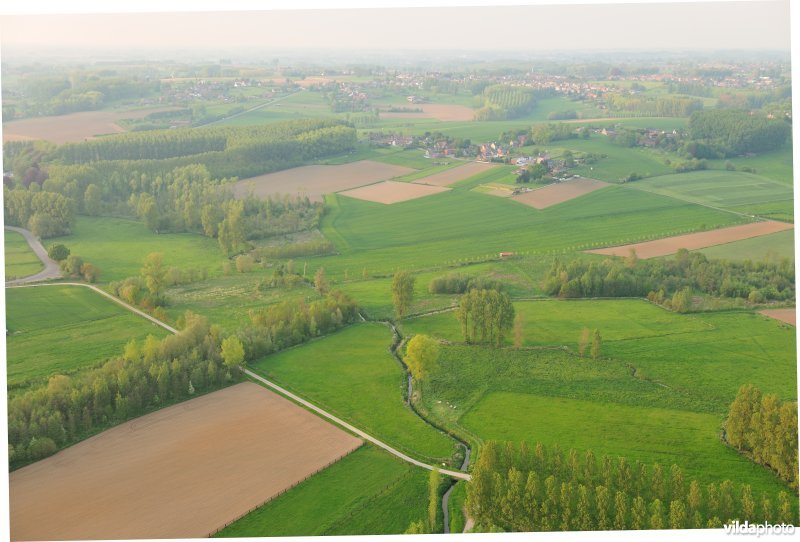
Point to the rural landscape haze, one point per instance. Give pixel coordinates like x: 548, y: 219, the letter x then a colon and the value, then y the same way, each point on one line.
x: 400, y: 271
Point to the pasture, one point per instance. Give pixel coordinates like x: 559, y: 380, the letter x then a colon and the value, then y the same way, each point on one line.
x: 118, y: 246
x: 764, y: 247
x: 648, y: 434
x: 702, y: 358
x: 727, y: 189
x: 317, y: 180
x: 695, y: 241
x: 389, y: 192
x: 553, y: 194
x: 460, y: 226
x: 183, y: 471
x: 366, y: 492
x: 64, y: 329
x: 20, y: 259
x: 352, y: 374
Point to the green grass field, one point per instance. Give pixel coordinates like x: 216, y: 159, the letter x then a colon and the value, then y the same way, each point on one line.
x: 652, y: 435
x: 776, y: 165
x: 20, y: 259
x: 352, y: 374
x: 366, y: 492
x: 727, y: 189
x: 456, y: 507
x: 766, y: 247
x: 703, y: 357
x: 118, y: 247
x: 63, y: 329
x: 458, y: 226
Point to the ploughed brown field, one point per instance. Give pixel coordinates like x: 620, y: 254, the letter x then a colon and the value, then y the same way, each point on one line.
x: 314, y: 181
x: 389, y: 192
x: 442, y: 112
x: 71, y: 128
x: 459, y: 173
x: 694, y: 241
x: 181, y: 472
x: 553, y: 194
x: 784, y: 315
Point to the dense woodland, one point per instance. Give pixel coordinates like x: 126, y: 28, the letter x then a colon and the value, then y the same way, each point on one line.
x: 723, y: 133
x: 660, y: 278
x: 765, y: 429
x: 46, y: 214
x: 147, y: 376
x: 503, y: 102
x: 514, y: 488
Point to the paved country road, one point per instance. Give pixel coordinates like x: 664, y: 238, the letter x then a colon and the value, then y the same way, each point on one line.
x: 50, y: 271
x: 271, y: 385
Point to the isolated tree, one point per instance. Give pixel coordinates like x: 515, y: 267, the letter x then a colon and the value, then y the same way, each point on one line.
x: 402, y: 292
x: 321, y: 281
x: 597, y: 344
x: 232, y: 352
x: 583, y: 341
x: 154, y: 273
x: 90, y: 272
x: 422, y: 353
x: 57, y: 252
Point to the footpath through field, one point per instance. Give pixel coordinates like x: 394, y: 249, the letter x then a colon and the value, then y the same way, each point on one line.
x: 51, y: 269
x: 273, y: 386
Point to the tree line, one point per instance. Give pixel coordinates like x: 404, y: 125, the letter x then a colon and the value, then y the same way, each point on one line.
x: 647, y: 106
x: 504, y: 102
x: 146, y: 376
x: 514, y: 488
x: 765, y: 429
x: 722, y: 133
x: 660, y: 279
x: 46, y: 214
x: 458, y: 283
x: 289, y: 323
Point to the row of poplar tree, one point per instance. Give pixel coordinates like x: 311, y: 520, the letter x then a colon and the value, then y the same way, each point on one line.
x: 514, y: 488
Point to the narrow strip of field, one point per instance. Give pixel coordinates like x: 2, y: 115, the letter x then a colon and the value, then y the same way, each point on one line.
x: 181, y: 472
x: 315, y: 181
x: 21, y: 261
x: 442, y: 112
x: 784, y: 315
x: 389, y: 192
x: 764, y: 248
x: 553, y: 194
x: 694, y: 241
x: 450, y: 176
x: 71, y: 128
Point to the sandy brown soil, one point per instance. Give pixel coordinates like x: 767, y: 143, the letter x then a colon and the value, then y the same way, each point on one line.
x: 453, y: 175
x: 181, y: 472
x: 784, y: 315
x: 694, y: 241
x: 443, y: 112
x: 71, y: 128
x: 314, y: 181
x: 553, y: 194
x: 389, y: 192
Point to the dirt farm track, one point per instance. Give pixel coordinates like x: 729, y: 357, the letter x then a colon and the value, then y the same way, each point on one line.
x: 181, y: 472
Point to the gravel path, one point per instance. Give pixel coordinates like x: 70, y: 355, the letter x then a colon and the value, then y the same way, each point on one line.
x: 51, y: 269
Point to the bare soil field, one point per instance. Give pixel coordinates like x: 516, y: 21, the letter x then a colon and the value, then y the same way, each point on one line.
x: 181, y: 472
x: 784, y: 315
x: 442, y: 112
x: 314, y: 181
x: 389, y: 192
x: 553, y: 194
x: 71, y: 128
x: 694, y: 241
x: 459, y: 173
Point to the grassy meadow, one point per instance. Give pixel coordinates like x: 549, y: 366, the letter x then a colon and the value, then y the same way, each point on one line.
x: 765, y: 247
x: 64, y: 329
x: 352, y: 374
x: 20, y: 259
x: 366, y: 492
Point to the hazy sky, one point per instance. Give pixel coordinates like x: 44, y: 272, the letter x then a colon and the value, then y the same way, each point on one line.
x: 761, y: 24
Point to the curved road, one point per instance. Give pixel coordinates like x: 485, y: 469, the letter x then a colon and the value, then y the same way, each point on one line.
x: 51, y: 269
x: 272, y: 385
